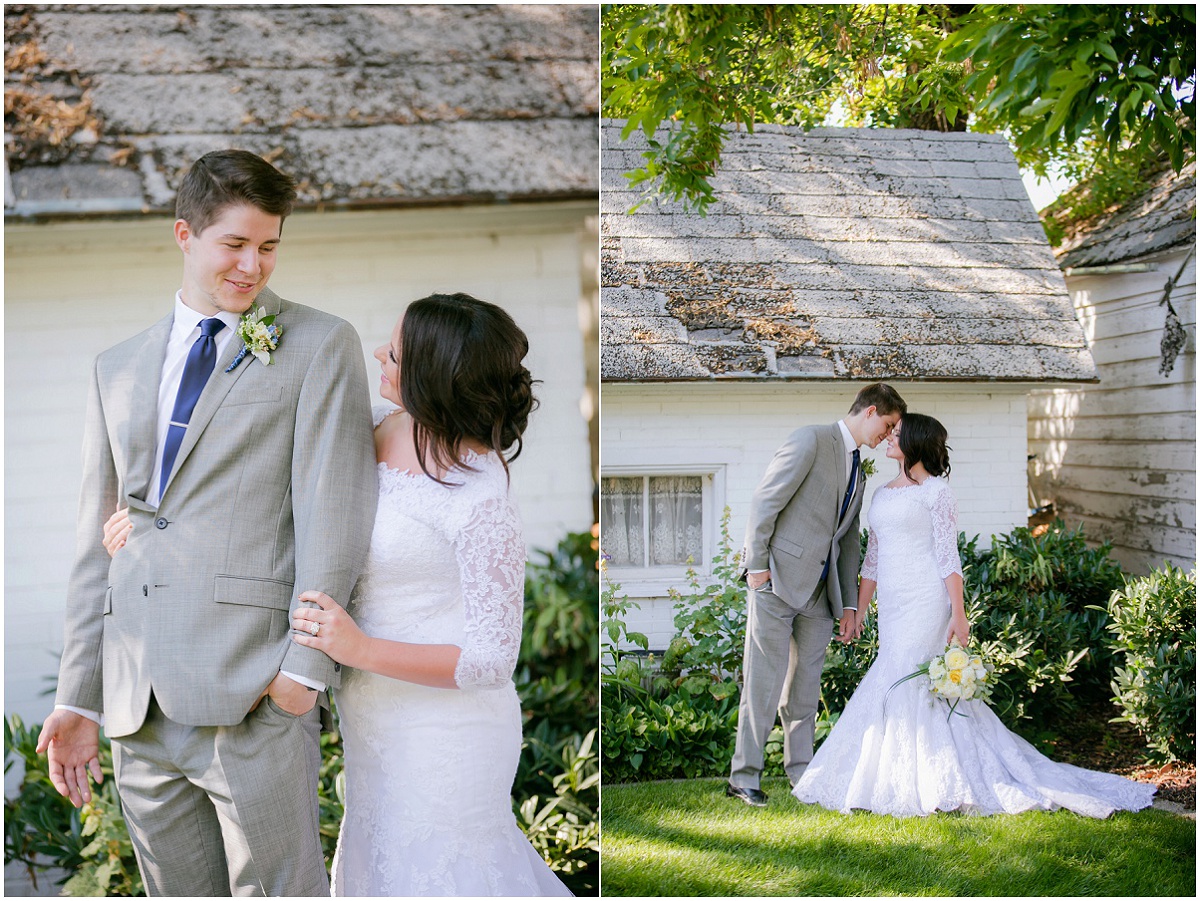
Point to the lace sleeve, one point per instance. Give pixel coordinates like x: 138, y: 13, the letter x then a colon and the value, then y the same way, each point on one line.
x: 870, y: 567
x: 944, y: 512
x: 491, y: 562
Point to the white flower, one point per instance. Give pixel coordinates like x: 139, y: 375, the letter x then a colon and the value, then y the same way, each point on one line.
x: 260, y: 335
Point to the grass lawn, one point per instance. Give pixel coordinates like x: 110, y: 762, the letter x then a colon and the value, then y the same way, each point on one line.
x: 688, y: 839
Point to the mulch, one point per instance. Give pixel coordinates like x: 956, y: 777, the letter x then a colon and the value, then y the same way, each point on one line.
x: 1090, y: 740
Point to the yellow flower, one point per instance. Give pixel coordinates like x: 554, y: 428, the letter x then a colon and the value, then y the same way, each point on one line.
x: 955, y: 675
x: 957, y: 658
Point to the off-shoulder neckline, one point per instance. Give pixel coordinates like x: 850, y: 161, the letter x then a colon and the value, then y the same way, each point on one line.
x: 469, y: 457
x: 917, y: 485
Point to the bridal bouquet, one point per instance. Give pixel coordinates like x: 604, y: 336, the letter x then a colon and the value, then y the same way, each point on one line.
x: 956, y: 675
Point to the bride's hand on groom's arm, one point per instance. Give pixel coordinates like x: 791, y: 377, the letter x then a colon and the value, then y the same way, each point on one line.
x: 337, y: 634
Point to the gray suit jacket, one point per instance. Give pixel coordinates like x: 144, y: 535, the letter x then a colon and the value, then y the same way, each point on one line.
x: 273, y: 492
x: 793, y: 526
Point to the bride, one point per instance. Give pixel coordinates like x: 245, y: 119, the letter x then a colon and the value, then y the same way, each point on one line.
x: 428, y: 709
x: 429, y: 713
x: 897, y: 753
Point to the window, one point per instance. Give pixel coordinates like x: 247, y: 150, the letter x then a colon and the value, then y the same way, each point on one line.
x: 653, y: 523
x: 653, y: 520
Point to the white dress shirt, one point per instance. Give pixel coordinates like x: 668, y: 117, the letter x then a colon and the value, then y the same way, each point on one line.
x: 184, y: 332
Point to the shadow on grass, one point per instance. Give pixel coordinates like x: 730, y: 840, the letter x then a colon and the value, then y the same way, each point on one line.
x: 687, y: 839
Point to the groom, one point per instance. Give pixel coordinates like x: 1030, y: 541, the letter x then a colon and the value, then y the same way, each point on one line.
x: 801, y: 556
x: 245, y: 483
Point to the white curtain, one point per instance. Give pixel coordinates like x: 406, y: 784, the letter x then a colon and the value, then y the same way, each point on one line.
x: 621, y: 522
x: 676, y: 526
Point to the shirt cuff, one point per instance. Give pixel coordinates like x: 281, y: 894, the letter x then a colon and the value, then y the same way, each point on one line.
x: 305, y: 681
x: 97, y: 718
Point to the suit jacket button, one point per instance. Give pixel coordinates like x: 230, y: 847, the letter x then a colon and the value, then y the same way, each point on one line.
x: 160, y: 523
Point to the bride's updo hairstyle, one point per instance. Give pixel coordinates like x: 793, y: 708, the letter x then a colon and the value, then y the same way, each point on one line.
x: 923, y: 440
x: 461, y: 378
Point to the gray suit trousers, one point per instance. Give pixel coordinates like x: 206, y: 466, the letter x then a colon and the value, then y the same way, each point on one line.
x: 781, y: 670
x: 224, y: 810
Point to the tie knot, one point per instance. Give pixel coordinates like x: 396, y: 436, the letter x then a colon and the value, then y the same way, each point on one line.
x: 854, y: 455
x: 209, y: 327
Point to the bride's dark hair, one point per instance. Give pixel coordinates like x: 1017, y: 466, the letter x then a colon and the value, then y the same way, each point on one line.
x: 923, y: 440
x: 461, y: 378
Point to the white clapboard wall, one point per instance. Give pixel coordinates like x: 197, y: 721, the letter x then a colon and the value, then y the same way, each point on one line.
x: 1120, y: 456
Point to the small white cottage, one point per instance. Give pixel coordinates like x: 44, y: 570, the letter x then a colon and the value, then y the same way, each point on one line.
x: 438, y: 148
x: 835, y: 257
x: 1120, y: 456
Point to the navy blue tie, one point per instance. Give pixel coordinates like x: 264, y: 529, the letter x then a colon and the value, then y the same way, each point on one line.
x: 199, y: 366
x: 846, y: 500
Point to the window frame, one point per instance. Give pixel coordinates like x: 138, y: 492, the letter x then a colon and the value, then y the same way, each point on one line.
x: 654, y: 581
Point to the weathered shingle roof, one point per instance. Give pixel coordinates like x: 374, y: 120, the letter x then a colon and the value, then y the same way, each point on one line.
x: 1162, y: 218
x: 368, y: 104
x: 849, y: 253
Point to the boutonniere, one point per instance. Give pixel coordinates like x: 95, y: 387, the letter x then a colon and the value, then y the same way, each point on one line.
x: 867, y: 465
x: 260, y: 335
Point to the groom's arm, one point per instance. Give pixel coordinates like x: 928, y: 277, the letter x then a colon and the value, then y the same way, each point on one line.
x: 80, y: 674
x: 333, y: 485
x: 70, y: 734
x: 786, y: 473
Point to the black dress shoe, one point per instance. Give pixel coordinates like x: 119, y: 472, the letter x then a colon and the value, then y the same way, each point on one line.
x: 752, y: 796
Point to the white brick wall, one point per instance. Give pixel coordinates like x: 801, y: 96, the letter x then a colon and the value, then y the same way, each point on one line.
x: 738, y: 427
x: 74, y: 289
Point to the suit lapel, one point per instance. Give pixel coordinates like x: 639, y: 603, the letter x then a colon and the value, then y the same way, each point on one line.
x: 219, y: 385
x: 141, y: 440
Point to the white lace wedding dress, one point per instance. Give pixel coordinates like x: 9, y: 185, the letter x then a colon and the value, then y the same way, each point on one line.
x: 897, y: 754
x: 429, y: 771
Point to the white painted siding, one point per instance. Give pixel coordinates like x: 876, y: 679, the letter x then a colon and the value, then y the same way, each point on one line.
x: 736, y: 428
x: 1120, y: 456
x: 74, y: 289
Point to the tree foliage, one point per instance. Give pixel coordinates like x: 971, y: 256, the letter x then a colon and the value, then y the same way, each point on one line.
x: 1073, y: 86
x: 1053, y: 75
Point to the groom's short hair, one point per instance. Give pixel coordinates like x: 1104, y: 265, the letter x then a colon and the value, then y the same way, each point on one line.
x: 882, y: 397
x: 227, y: 178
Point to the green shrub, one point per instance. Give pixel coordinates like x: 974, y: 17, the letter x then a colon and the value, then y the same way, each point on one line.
x: 42, y: 830
x: 1154, y: 630
x: 686, y: 734
x: 675, y: 717
x: 1032, y: 601
x: 710, y: 623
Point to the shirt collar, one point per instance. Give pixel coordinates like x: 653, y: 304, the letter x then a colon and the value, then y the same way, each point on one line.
x: 187, y: 319
x: 847, y: 438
